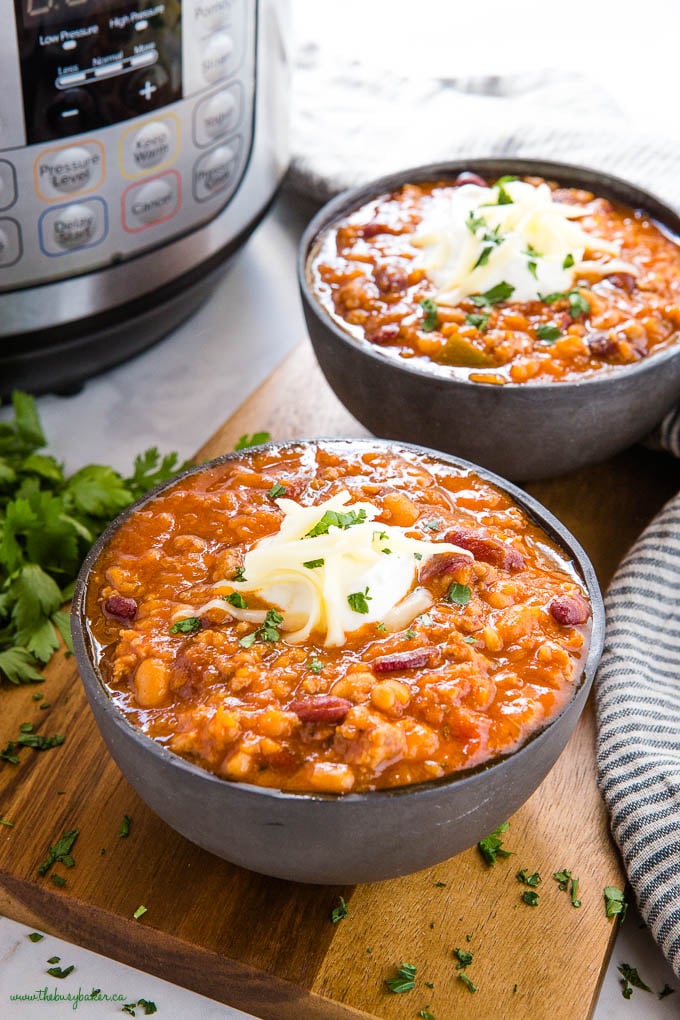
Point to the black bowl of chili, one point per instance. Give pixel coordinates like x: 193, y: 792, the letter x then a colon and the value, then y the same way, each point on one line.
x: 532, y: 362
x: 391, y: 734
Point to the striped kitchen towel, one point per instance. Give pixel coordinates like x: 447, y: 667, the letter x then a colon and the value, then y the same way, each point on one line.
x: 352, y: 123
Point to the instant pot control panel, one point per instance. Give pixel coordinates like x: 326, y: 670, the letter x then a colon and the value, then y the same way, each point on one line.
x: 123, y: 124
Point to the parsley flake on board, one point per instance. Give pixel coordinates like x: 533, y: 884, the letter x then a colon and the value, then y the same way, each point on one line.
x: 431, y: 315
x: 567, y: 883
x: 58, y: 880
x: 501, y: 292
x: 139, y: 912
x: 491, y: 847
x: 336, y: 519
x: 548, y: 333
x: 530, y: 898
x: 35, y: 936
x: 267, y: 631
x: 459, y: 594
x: 532, y: 880
x: 425, y: 1012
x: 464, y: 958
x: 236, y: 599
x: 277, y: 490
x: 27, y: 738
x: 60, y: 852
x: 339, y: 912
x: 615, y: 904
x: 124, y: 830
x: 256, y: 439
x: 358, y: 601
x: 468, y: 982
x: 147, y: 1005
x: 57, y: 972
x: 404, y: 981
x: 48, y: 521
x: 631, y: 979
x: 188, y: 625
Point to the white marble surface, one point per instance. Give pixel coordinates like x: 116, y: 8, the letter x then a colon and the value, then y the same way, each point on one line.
x: 176, y: 394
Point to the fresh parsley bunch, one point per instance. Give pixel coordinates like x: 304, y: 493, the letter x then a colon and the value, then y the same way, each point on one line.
x: 48, y: 521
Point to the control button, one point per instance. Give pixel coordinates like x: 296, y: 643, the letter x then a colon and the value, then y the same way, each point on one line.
x: 8, y: 185
x: 10, y: 242
x: 215, y: 60
x: 152, y: 202
x: 109, y: 70
x: 153, y: 144
x: 211, y: 15
x: 217, y: 115
x: 143, y: 59
x: 216, y: 171
x: 77, y: 168
x: 148, y: 88
x: 71, y: 227
x: 72, y: 113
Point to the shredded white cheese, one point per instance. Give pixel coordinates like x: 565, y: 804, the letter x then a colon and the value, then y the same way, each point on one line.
x: 373, y: 560
x: 470, y: 243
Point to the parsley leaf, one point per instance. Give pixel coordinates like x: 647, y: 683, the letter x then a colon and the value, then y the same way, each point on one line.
x: 57, y: 972
x: 530, y: 897
x: 237, y: 600
x: 615, y: 903
x: 469, y: 984
x: 549, y: 333
x: 464, y: 958
x: 35, y: 936
x: 315, y: 666
x: 501, y: 292
x: 187, y: 625
x: 313, y: 564
x: 404, y: 981
x: 473, y: 223
x: 125, y: 827
x: 568, y: 261
x: 60, y: 852
x: 631, y: 979
x: 578, y: 305
x: 267, y: 631
x: 335, y: 519
x: 479, y: 320
x: 566, y: 882
x: 340, y: 911
x: 358, y: 601
x: 491, y: 847
x: 459, y: 594
x: 256, y: 439
x: 139, y: 912
x: 532, y: 880
x: 431, y: 317
x: 277, y: 490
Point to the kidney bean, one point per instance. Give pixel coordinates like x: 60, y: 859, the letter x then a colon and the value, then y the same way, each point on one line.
x: 391, y: 279
x: 569, y: 610
x: 321, y: 708
x: 487, y: 549
x: 601, y: 344
x: 468, y: 177
x: 119, y: 607
x: 624, y: 281
x: 386, y: 334
x: 412, y: 659
x: 442, y: 563
x: 368, y: 230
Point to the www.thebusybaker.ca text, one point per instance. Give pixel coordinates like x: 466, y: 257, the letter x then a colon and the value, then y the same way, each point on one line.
x: 54, y: 995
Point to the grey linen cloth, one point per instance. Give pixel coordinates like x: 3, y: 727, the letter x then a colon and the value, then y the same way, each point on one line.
x: 352, y: 123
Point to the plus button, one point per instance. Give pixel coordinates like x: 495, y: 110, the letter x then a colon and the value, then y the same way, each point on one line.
x: 148, y: 90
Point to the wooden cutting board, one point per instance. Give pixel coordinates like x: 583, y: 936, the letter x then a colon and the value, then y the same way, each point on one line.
x: 268, y: 946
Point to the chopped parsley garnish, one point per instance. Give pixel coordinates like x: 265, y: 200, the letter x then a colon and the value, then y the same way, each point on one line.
x: 57, y: 972
x: 473, y: 223
x: 149, y: 1007
x: 60, y: 852
x: 410, y: 634
x: 58, y: 879
x: 417, y: 556
x: 503, y: 197
x: 464, y: 958
x: 469, y: 984
x: 139, y: 912
x: 27, y: 738
x: 631, y: 979
x: 431, y: 316
x: 277, y: 490
x: 339, y: 912
x: 665, y: 991
x: 533, y: 268
x: 615, y: 903
x: 267, y: 631
x: 470, y: 639
x: 54, y: 959
x: 255, y: 440
x: 479, y: 320
x: 239, y: 574
x: 501, y: 292
x: 550, y: 333
x: 435, y: 525
x: 425, y: 1011
x: 336, y: 519
x: 532, y: 880
x: 459, y: 594
x: 566, y: 882
x: 236, y: 600
x: 38, y: 697
x: 313, y: 564
x: 380, y: 626
x: 124, y: 830
x: 530, y: 897
x: 440, y: 885
x: 404, y: 981
x: 568, y: 261
x: 189, y: 625
x: 490, y: 239
x: 491, y: 847
x: 578, y: 305
x: 358, y: 601
x: 315, y: 666
x: 35, y: 936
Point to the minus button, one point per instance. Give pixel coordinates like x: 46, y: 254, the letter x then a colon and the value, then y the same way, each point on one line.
x: 66, y: 80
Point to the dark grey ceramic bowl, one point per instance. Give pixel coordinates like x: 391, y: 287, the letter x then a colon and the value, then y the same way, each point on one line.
x: 336, y: 839
x: 521, y: 430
